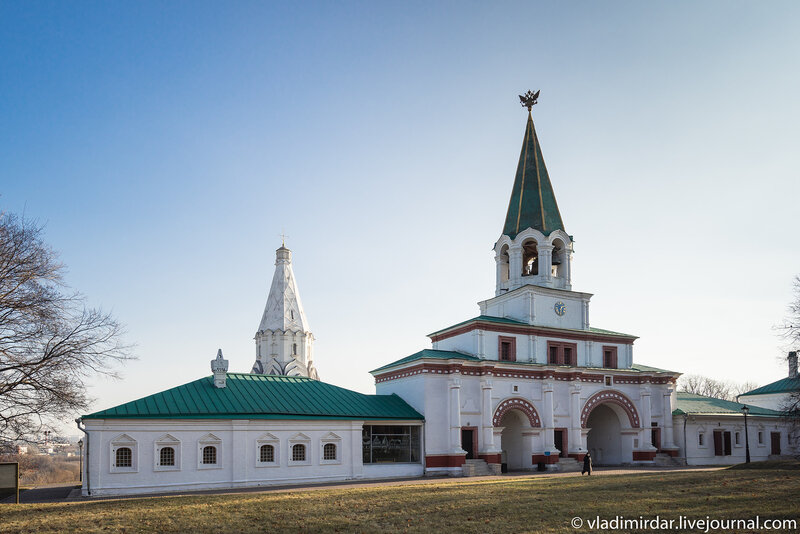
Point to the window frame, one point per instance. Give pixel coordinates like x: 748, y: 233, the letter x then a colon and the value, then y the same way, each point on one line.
x: 330, y: 439
x: 120, y: 442
x: 164, y: 441
x: 268, y: 439
x: 511, y: 341
x: 209, y: 440
x: 613, y: 359
x: 559, y: 346
x: 299, y: 439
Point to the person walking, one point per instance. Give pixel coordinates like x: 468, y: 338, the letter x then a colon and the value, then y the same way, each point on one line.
x: 587, y: 464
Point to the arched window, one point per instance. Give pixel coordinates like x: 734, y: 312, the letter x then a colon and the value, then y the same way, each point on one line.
x: 504, y: 263
x: 209, y: 455
x: 267, y: 453
x: 298, y: 453
x: 167, y: 456
x: 559, y: 259
x: 530, y: 258
x: 329, y: 451
x: 124, y: 457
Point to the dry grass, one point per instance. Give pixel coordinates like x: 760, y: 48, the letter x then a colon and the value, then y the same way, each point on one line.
x: 539, y: 504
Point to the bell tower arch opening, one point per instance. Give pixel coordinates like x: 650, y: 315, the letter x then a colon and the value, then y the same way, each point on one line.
x: 530, y: 258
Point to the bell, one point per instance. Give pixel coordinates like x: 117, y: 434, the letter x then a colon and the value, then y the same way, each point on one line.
x: 557, y: 260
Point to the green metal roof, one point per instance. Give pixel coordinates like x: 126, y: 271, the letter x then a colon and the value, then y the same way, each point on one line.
x: 648, y: 369
x: 452, y: 355
x: 692, y: 404
x: 533, y: 202
x: 251, y: 396
x: 430, y: 353
x: 785, y: 385
x: 503, y: 320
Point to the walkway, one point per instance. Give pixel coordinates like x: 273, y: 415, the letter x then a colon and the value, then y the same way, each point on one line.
x: 71, y: 493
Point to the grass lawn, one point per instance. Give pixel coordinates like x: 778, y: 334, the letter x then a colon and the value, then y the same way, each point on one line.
x: 537, y: 504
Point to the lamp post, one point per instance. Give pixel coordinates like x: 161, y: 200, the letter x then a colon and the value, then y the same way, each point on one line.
x: 80, y: 454
x: 745, y: 411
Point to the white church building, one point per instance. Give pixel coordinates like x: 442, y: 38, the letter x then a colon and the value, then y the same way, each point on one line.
x: 526, y: 384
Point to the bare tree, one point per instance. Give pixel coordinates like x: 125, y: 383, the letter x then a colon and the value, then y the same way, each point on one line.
x: 790, y: 328
x: 709, y: 387
x: 50, y: 342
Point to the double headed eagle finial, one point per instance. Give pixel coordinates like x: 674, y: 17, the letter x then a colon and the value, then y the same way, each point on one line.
x: 529, y: 99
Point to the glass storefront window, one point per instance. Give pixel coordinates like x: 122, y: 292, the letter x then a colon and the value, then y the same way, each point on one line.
x: 390, y: 444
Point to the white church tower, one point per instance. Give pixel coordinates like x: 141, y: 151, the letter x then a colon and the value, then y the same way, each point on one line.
x: 284, y: 341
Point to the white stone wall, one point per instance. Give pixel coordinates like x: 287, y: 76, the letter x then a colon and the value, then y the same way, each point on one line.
x: 432, y: 395
x: 772, y: 401
x: 237, y: 456
x: 531, y: 348
x: 703, y: 454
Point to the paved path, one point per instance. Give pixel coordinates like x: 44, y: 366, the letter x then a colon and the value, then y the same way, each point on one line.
x: 70, y: 493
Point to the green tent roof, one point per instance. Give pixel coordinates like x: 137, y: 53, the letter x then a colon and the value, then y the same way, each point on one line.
x: 533, y: 202
x: 691, y: 403
x: 251, y: 396
x: 785, y: 385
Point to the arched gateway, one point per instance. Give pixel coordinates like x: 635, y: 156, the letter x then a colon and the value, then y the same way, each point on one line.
x: 605, y: 414
x: 517, y: 418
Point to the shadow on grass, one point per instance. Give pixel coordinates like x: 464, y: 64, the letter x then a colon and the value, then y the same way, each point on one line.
x: 783, y: 465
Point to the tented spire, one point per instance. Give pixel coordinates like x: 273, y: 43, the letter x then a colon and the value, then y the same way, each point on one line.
x: 533, y: 202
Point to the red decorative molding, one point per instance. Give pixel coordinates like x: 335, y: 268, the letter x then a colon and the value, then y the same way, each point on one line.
x: 503, y: 370
x: 577, y: 455
x: 613, y: 397
x: 542, y: 459
x: 490, y: 458
x: 516, y: 403
x: 671, y: 452
x: 512, y: 348
x: 643, y: 456
x: 534, y: 330
x: 444, y: 460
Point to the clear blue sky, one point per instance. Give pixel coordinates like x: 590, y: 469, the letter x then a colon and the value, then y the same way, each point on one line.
x: 165, y: 145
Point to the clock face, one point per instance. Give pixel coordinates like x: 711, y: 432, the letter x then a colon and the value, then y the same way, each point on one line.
x: 560, y: 308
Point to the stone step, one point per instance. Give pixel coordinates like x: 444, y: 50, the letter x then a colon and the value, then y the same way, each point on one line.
x: 568, y: 465
x: 476, y: 468
x: 665, y: 460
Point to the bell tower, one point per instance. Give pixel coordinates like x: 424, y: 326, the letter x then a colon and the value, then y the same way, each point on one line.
x: 534, y: 249
x: 284, y: 341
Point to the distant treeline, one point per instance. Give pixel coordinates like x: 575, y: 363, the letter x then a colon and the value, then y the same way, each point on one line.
x: 36, y: 469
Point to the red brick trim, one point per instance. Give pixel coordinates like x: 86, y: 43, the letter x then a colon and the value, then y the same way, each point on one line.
x: 671, y: 452
x: 512, y: 352
x: 643, y: 456
x: 577, y: 455
x: 500, y: 370
x: 490, y: 458
x: 516, y: 403
x: 541, y: 458
x: 613, y: 397
x: 444, y: 460
x: 534, y: 330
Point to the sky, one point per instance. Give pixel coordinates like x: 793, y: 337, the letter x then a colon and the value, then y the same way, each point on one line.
x: 165, y: 146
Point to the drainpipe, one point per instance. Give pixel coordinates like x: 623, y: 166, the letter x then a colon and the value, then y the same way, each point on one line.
x: 685, y: 450
x: 86, y: 460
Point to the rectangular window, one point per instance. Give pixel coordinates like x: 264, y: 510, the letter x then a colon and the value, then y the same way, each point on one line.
x: 736, y: 439
x: 700, y: 439
x: 507, y: 349
x: 562, y: 353
x: 760, y: 438
x: 726, y: 442
x: 167, y: 456
x: 610, y: 357
x: 390, y: 444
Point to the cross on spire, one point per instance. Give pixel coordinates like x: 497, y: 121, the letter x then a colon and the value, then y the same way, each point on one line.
x: 283, y: 237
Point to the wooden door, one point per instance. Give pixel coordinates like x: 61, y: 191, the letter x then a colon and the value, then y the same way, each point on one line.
x: 467, y: 436
x: 776, y: 442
